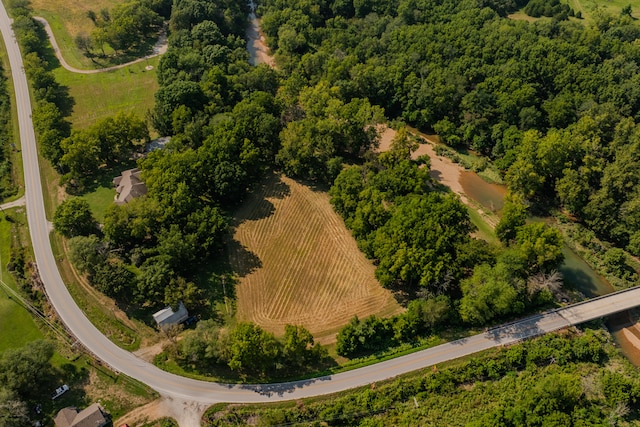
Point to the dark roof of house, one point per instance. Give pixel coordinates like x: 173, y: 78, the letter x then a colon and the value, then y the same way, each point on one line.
x: 129, y: 186
x: 92, y: 416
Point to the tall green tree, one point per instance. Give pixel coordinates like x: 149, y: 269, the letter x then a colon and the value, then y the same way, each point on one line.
x: 298, y: 347
x: 86, y: 253
x: 74, y: 218
x: 541, y: 246
x: 13, y: 411
x: 488, y: 294
x: 418, y: 245
x: 514, y: 215
x: 22, y: 369
x: 252, y: 349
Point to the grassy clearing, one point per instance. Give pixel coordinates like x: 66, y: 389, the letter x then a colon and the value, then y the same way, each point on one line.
x: 299, y: 264
x: 100, y: 192
x: 99, y: 200
x: 521, y: 16
x: 67, y: 19
x: 16, y: 323
x: 96, y: 96
x: 118, y: 393
x: 53, y: 194
x: 485, y: 230
x: 588, y: 8
x: 613, y: 7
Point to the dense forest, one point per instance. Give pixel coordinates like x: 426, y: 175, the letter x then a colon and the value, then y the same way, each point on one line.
x: 556, y: 380
x: 552, y: 102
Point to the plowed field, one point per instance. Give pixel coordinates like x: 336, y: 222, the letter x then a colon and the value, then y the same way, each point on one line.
x: 299, y: 264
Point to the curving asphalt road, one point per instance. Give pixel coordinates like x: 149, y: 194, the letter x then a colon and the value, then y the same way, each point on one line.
x: 158, y: 49
x: 196, y: 394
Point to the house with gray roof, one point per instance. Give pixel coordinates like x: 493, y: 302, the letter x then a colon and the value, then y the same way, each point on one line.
x: 92, y: 416
x: 129, y: 185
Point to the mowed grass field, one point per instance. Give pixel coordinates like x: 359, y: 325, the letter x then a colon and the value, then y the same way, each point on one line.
x: 300, y: 265
x: 68, y: 18
x: 96, y: 96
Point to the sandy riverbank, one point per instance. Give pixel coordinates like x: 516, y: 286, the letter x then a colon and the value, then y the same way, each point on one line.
x: 256, y: 42
x: 450, y: 174
x: 443, y: 170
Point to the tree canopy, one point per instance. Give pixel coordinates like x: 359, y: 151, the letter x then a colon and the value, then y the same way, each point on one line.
x: 73, y: 217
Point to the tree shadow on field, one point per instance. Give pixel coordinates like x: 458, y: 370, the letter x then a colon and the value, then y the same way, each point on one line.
x: 273, y: 187
x: 242, y: 261
x: 60, y: 94
x: 103, y: 177
x: 260, y: 210
x: 258, y: 206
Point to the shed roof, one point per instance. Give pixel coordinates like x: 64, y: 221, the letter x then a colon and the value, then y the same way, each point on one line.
x: 167, y: 316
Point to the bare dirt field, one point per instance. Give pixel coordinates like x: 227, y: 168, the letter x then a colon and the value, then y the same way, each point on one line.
x: 299, y: 264
x: 161, y: 408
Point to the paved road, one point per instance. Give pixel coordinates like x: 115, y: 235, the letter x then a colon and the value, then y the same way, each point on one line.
x: 159, y: 48
x: 18, y: 202
x: 195, y: 395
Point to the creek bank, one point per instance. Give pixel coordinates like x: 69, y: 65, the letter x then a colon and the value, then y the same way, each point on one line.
x: 488, y: 199
x: 256, y: 45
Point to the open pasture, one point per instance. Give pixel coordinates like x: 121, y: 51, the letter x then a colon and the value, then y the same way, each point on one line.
x: 613, y: 7
x: 96, y: 96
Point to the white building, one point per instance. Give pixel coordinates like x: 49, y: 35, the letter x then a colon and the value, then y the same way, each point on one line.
x: 167, y: 316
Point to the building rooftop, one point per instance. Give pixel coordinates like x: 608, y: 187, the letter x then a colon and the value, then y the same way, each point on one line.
x: 129, y: 186
x: 92, y: 416
x: 167, y: 316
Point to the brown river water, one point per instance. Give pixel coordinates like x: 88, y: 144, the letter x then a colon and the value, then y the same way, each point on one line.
x: 574, y: 269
